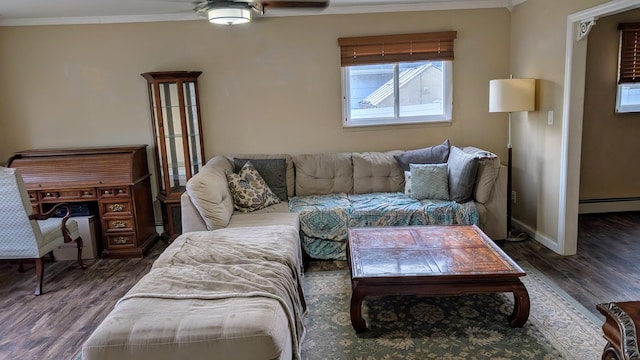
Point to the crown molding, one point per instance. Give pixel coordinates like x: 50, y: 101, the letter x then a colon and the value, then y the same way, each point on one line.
x: 83, y: 20
x: 331, y: 10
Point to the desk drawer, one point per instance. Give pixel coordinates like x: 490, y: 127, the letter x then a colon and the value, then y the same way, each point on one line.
x: 119, y: 224
x: 116, y: 208
x: 33, y: 196
x: 118, y: 241
x: 67, y: 195
x: 111, y: 192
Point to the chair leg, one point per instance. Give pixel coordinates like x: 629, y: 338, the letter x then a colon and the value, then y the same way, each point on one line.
x: 39, y: 275
x: 79, y: 244
x: 52, y: 257
x: 20, y: 266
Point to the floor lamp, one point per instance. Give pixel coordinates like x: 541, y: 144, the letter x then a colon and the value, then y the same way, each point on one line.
x: 511, y: 95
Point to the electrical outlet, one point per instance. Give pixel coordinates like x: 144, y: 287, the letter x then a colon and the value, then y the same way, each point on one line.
x: 513, y: 197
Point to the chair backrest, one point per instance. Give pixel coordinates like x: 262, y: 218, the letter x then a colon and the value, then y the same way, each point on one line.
x: 19, y: 236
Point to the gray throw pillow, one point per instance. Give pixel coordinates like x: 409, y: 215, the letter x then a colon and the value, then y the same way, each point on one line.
x: 437, y: 154
x: 273, y: 171
x: 462, y: 174
x: 429, y: 181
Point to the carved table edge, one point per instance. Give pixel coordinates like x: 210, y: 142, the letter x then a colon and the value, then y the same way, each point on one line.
x: 627, y: 326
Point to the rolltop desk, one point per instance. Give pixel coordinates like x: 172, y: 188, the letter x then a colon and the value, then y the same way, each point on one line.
x: 114, y: 182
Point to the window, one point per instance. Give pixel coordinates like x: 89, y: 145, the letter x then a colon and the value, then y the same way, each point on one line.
x: 397, y: 79
x: 628, y: 94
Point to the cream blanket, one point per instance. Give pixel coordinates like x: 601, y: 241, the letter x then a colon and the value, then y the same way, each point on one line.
x: 260, y: 261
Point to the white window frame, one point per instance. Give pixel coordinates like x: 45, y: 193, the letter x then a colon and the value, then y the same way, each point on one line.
x: 445, y: 117
x: 626, y: 108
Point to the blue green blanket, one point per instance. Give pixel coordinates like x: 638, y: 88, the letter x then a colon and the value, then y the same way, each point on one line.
x: 324, y: 219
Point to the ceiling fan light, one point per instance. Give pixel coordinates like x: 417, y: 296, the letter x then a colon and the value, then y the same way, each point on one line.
x: 229, y: 16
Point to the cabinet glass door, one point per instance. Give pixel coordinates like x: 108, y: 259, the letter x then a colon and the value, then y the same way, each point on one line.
x: 177, y: 128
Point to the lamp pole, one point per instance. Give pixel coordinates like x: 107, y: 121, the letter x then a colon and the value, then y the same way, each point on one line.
x: 509, y: 183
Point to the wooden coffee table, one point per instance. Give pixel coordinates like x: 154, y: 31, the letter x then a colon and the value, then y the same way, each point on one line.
x: 433, y: 261
x: 622, y: 319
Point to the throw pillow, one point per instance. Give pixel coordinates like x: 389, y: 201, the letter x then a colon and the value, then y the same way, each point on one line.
x: 462, y: 174
x: 249, y: 190
x: 407, y: 183
x: 431, y: 155
x: 429, y: 181
x: 488, y: 170
x: 273, y: 171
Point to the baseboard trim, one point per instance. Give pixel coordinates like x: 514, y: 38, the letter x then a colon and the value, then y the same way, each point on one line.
x: 543, y: 239
x: 594, y: 206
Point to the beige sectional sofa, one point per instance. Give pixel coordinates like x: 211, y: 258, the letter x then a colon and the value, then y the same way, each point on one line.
x: 207, y: 204
x: 229, y: 286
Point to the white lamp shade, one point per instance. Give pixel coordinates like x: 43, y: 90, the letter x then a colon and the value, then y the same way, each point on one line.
x: 229, y: 16
x: 509, y: 95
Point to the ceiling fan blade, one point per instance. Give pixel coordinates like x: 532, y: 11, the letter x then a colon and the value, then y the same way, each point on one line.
x: 273, y: 4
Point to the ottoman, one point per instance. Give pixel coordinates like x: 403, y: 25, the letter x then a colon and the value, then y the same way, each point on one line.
x: 226, y: 294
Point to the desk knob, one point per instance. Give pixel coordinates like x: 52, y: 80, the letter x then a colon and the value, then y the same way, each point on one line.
x: 120, y: 240
x: 118, y: 224
x: 116, y: 207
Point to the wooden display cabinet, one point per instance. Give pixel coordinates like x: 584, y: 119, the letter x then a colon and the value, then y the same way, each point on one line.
x: 177, y: 129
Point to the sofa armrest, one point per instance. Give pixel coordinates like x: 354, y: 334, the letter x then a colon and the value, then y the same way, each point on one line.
x: 495, y: 224
x: 191, y: 219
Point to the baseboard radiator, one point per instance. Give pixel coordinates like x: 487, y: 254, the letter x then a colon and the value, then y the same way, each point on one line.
x: 594, y: 206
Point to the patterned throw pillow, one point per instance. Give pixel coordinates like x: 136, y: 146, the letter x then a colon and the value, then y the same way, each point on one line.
x: 407, y: 183
x: 249, y: 190
x: 429, y: 181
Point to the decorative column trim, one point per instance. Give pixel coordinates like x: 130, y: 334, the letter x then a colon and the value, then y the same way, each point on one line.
x: 584, y: 27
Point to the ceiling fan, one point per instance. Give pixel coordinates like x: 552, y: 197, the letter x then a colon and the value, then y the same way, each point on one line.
x: 232, y: 12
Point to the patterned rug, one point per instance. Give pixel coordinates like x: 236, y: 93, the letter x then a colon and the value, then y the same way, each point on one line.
x: 463, y: 327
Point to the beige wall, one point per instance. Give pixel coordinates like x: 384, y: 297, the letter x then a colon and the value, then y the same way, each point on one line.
x: 272, y: 86
x: 610, y: 146
x: 538, y: 34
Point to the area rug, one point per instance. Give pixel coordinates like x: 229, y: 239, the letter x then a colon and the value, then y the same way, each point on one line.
x: 463, y: 327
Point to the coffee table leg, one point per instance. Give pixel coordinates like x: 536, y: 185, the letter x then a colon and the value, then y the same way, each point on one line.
x: 521, y: 306
x: 357, y: 321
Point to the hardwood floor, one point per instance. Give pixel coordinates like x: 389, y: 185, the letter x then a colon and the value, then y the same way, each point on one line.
x: 606, y: 266
x: 74, y: 301
x: 55, y: 324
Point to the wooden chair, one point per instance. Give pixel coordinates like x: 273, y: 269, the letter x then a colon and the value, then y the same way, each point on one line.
x: 24, y: 235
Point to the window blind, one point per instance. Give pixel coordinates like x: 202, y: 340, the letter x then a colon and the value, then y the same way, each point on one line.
x: 396, y: 48
x: 629, y: 67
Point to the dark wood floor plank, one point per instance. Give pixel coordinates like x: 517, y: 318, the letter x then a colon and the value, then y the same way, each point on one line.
x: 55, y: 324
x: 604, y: 269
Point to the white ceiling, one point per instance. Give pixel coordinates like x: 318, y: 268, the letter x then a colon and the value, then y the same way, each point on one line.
x: 48, y: 12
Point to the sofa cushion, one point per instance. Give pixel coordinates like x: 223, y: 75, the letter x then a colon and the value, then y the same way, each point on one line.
x: 273, y: 171
x: 488, y: 169
x: 210, y: 195
x: 376, y: 172
x: 463, y: 168
x: 265, y: 219
x: 290, y: 173
x: 437, y: 154
x: 249, y: 190
x: 320, y: 174
x: 429, y: 181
